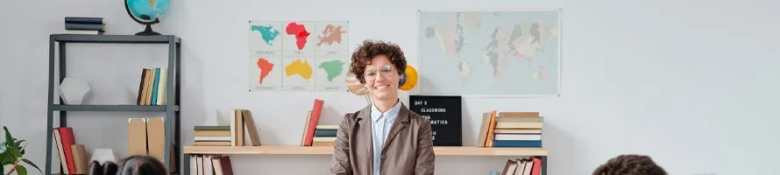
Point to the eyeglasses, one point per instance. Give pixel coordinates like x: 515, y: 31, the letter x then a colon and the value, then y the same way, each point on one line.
x: 386, y: 71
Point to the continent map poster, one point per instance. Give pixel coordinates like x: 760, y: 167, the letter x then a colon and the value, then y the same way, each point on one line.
x: 298, y: 55
x: 490, y: 53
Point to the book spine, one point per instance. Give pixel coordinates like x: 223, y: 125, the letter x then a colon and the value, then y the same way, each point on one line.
x: 325, y: 132
x: 517, y: 143
x: 154, y: 86
x: 76, y: 26
x: 313, y: 121
x: 84, y: 20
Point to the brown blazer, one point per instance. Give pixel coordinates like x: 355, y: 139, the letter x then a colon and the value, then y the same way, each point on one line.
x: 408, y: 149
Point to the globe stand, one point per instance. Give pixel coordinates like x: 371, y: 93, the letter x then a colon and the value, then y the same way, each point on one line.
x: 147, y: 31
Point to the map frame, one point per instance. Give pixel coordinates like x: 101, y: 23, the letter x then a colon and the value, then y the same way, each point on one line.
x: 310, y: 53
x: 559, y: 66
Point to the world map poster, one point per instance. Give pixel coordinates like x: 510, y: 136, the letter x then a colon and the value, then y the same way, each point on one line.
x: 298, y: 55
x: 490, y: 53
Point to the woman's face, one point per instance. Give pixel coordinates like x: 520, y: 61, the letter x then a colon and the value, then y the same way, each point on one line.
x: 382, y: 78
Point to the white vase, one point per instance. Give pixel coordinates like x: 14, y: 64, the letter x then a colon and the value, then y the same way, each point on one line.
x: 73, y: 91
x: 103, y: 155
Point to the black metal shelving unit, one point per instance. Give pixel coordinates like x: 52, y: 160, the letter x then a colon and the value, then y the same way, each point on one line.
x: 171, y: 108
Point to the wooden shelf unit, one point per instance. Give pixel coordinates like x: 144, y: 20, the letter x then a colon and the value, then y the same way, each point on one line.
x: 301, y: 150
x: 56, y: 105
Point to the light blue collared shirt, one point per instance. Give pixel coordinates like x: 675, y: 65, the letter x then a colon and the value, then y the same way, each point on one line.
x: 381, y: 124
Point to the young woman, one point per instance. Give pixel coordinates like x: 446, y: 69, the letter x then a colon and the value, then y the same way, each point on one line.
x: 133, y: 165
x: 384, y: 138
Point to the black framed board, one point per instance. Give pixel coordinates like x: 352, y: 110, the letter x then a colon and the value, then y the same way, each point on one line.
x: 445, y: 114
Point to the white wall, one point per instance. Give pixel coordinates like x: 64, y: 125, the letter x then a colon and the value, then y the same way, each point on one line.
x: 692, y: 83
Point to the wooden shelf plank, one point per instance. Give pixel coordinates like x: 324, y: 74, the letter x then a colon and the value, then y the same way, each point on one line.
x: 300, y: 150
x: 135, y: 108
x: 128, y: 39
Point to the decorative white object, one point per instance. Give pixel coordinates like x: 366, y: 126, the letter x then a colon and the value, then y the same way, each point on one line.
x: 103, y: 155
x: 73, y: 91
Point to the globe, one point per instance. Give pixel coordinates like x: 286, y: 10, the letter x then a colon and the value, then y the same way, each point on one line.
x: 146, y: 12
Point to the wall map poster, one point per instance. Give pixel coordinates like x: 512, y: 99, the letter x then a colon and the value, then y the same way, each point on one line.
x: 298, y: 55
x: 490, y: 53
x: 445, y: 115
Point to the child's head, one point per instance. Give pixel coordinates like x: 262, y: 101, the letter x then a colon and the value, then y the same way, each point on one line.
x: 630, y: 164
x: 133, y: 165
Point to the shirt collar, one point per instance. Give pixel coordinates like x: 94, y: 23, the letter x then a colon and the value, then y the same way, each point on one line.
x: 390, y: 114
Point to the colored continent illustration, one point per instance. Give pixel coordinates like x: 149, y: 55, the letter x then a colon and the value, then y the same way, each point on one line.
x: 301, y: 68
x: 265, y: 67
x: 300, y: 33
x: 330, y: 35
x: 268, y: 33
x: 278, y: 55
x: 332, y: 68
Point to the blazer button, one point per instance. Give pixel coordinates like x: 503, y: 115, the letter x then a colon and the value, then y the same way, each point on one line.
x: 383, y: 157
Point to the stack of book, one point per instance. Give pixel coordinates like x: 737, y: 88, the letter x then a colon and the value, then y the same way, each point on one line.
x: 511, y: 129
x: 152, y: 87
x: 73, y: 156
x: 241, y: 125
x: 242, y: 122
x: 212, y: 136
x: 325, y: 135
x: 524, y: 166
x: 210, y: 165
x: 84, y: 25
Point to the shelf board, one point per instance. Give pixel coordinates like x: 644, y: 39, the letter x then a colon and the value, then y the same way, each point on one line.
x: 300, y: 150
x: 126, y: 39
x: 132, y: 108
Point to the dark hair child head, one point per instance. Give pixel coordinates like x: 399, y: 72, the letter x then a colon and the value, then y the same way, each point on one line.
x: 133, y: 165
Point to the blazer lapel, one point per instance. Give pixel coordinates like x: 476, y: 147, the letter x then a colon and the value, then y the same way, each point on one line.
x: 399, y: 124
x: 364, y: 130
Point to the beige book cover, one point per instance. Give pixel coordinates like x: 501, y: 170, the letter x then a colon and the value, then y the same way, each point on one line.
x: 155, y: 129
x: 239, y: 125
x: 136, y: 136
x: 249, y: 121
x: 305, y: 130
x: 58, y: 141
x: 80, y: 158
x: 483, y: 130
x: 161, y: 86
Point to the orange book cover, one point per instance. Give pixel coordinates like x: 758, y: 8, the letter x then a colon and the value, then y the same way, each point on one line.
x: 489, y: 140
x: 313, y: 121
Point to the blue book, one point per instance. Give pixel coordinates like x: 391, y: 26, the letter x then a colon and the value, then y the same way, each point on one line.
x: 518, y: 143
x: 325, y: 132
x: 155, y: 85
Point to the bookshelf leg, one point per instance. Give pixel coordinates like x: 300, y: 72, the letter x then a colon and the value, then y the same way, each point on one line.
x: 544, y: 165
x: 186, y: 162
x: 61, y: 77
x: 50, y: 114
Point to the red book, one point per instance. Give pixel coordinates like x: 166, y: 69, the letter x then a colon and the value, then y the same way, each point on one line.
x: 227, y: 167
x: 66, y: 135
x: 316, y: 111
x: 537, y: 166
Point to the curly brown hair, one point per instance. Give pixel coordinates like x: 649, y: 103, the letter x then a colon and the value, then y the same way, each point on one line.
x: 630, y: 164
x: 370, y: 49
